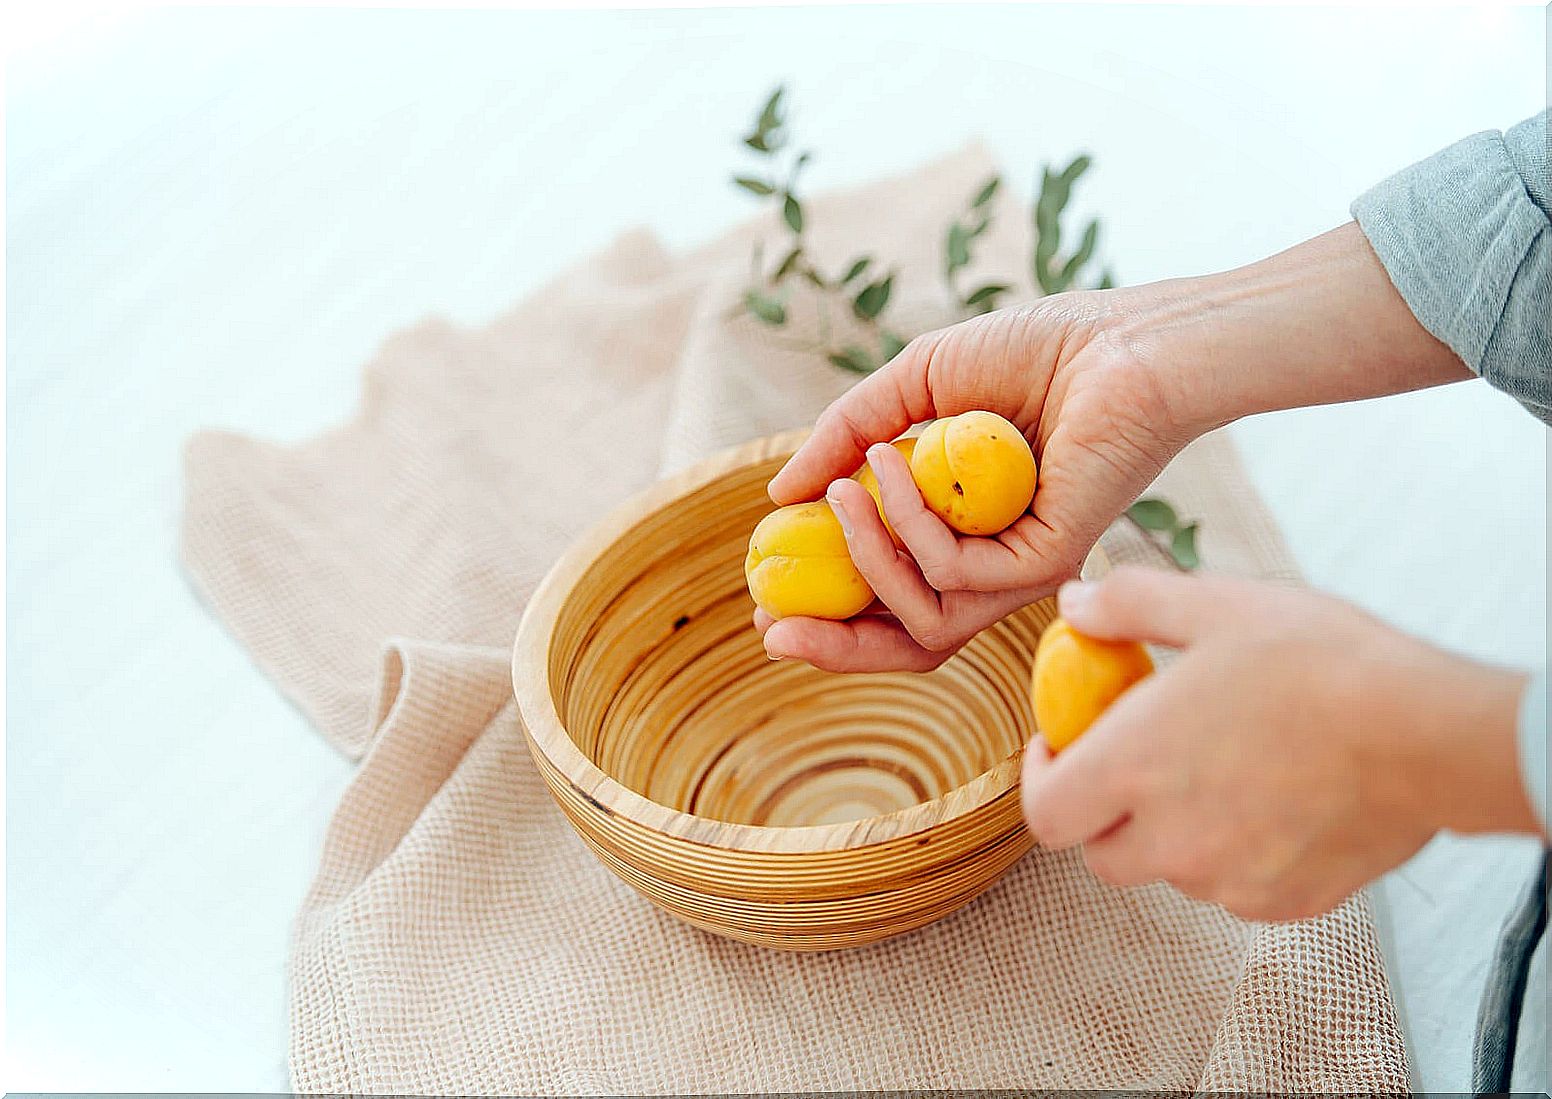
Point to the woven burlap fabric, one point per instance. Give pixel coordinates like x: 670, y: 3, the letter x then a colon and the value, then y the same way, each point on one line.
x: 460, y: 938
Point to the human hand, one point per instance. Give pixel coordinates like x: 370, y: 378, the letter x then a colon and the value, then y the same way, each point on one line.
x: 1101, y: 426
x: 1107, y: 387
x: 1295, y: 750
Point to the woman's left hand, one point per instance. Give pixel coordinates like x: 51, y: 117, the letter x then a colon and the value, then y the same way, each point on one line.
x: 1296, y: 749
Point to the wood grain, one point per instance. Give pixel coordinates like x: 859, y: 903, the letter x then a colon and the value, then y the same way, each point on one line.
x: 769, y: 802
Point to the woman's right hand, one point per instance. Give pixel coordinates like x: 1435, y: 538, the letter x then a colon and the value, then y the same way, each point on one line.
x: 1098, y: 413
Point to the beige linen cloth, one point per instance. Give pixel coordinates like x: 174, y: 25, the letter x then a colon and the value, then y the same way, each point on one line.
x: 459, y: 937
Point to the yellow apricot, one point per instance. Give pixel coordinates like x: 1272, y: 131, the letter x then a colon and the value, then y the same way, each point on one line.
x: 975, y: 472
x: 1077, y: 677
x: 869, y: 480
x: 798, y: 565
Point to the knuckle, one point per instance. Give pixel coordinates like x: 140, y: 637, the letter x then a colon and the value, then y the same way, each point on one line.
x: 932, y: 636
x: 839, y: 419
x: 942, y: 573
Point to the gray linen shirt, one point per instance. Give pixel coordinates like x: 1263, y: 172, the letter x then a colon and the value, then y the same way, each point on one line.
x: 1466, y: 237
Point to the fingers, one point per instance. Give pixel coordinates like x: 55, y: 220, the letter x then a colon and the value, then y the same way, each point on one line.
x: 1075, y: 796
x: 869, y: 643
x: 1143, y: 604
x: 892, y: 575
x: 874, y: 411
x: 946, y: 561
x: 1093, y: 784
x: 939, y: 623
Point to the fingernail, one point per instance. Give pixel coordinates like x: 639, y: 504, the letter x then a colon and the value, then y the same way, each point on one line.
x: 773, y: 656
x: 839, y: 509
x: 1074, y: 597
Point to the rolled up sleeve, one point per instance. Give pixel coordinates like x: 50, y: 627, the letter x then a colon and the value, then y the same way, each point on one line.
x: 1466, y: 237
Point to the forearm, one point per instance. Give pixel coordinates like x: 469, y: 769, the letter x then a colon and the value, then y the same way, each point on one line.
x: 1446, y: 274
x: 1316, y: 324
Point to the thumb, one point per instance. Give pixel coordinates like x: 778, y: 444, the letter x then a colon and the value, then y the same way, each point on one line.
x: 1141, y: 604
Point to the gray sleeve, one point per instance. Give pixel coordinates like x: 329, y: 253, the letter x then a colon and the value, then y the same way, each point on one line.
x: 1466, y: 237
x: 1533, y: 744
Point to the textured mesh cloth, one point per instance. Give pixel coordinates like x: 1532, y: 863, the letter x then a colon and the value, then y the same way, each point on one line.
x: 460, y: 938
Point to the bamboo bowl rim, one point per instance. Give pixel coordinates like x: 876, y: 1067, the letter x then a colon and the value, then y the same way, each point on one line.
x: 548, y: 735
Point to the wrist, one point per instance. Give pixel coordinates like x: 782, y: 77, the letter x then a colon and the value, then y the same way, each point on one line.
x: 1454, y: 736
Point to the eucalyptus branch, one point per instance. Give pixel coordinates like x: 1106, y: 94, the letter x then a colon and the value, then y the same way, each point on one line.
x: 768, y: 304
x: 962, y: 232
x: 865, y: 287
x: 1052, y: 272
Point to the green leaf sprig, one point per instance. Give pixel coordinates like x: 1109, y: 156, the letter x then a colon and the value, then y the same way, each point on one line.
x: 962, y: 233
x: 867, y: 297
x: 866, y: 290
x: 1053, y: 272
x: 1157, y: 518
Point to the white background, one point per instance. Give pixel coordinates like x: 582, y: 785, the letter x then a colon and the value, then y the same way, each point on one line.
x: 215, y: 217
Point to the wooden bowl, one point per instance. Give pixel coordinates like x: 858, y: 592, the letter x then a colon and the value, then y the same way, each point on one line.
x: 766, y: 801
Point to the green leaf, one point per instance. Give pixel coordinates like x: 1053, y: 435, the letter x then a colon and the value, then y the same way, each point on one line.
x: 956, y: 253
x: 792, y: 212
x: 1106, y: 280
x: 770, y: 114
x: 757, y: 142
x: 1084, y: 253
x: 1054, y: 193
x: 1079, y: 165
x: 1153, y: 514
x: 986, y: 296
x: 784, y: 268
x: 1182, y: 547
x: 874, y: 296
x: 1048, y: 231
x: 755, y: 186
x: 889, y: 345
x: 853, y: 358
x: 985, y: 194
x: 815, y: 277
x: 768, y: 309
x: 858, y: 266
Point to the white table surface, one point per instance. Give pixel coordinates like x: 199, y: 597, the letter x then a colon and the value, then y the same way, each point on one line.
x: 214, y: 218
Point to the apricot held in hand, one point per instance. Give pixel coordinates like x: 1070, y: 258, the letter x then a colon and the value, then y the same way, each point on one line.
x: 975, y: 472
x: 1077, y: 677
x: 869, y: 480
x: 798, y: 565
